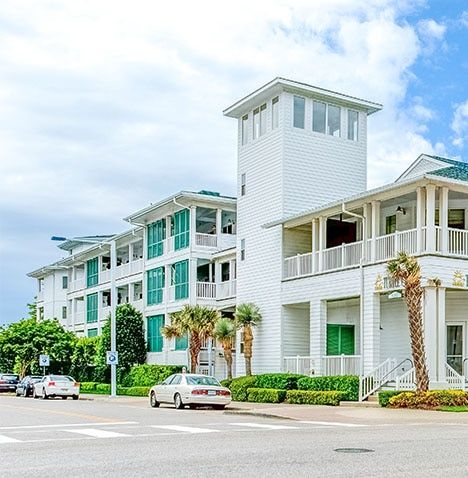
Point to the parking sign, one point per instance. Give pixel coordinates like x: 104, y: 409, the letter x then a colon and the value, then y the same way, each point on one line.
x: 44, y: 360
x: 112, y: 358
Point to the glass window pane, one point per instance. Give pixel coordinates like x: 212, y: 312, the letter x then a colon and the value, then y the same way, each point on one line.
x: 299, y: 112
x: 318, y: 116
x: 263, y: 120
x: 353, y: 125
x: 256, y: 123
x: 274, y: 113
x: 244, y: 129
x: 334, y: 120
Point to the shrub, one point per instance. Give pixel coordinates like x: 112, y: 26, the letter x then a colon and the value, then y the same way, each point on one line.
x: 149, y: 375
x: 282, y: 381
x: 310, y: 397
x: 386, y: 395
x: 266, y: 395
x: 133, y: 391
x: 88, y: 387
x: 103, y: 388
x: 348, y: 384
x: 226, y: 382
x: 431, y: 399
x: 239, y: 387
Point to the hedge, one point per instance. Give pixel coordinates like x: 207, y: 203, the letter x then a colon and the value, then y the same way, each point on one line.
x: 279, y: 381
x: 348, y: 384
x: 105, y: 389
x: 133, y: 391
x: 239, y: 387
x: 148, y: 375
x: 226, y: 382
x: 310, y: 397
x: 88, y: 387
x: 266, y: 395
x: 386, y: 395
x: 431, y: 399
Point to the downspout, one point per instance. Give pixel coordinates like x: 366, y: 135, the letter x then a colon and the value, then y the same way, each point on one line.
x: 361, y: 273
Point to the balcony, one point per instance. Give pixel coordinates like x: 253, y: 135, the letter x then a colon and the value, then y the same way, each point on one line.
x: 211, y: 290
x: 128, y: 269
x: 77, y: 284
x: 328, y: 365
x: 206, y: 290
x: 226, y: 289
x: 79, y: 317
x: 206, y: 240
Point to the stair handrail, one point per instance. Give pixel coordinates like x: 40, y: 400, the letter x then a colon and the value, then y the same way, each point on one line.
x: 398, y: 366
x: 403, y: 378
x: 457, y: 380
x: 463, y: 366
x: 371, y: 382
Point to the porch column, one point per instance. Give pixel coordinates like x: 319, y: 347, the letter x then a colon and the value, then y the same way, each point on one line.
x: 430, y: 219
x: 443, y: 219
x: 431, y: 333
x: 442, y: 337
x: 314, y: 244
x: 318, y: 334
x: 218, y: 227
x: 371, y: 329
x: 100, y: 317
x: 169, y: 245
x: 193, y: 281
x: 420, y: 218
x: 375, y: 228
x: 193, y: 225
x: 73, y: 314
x: 322, y: 240
x: 366, y: 228
x: 167, y: 285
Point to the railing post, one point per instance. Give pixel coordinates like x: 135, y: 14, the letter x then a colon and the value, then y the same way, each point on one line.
x: 397, y: 243
x: 341, y: 364
x: 297, y: 364
x: 298, y: 264
x: 343, y: 255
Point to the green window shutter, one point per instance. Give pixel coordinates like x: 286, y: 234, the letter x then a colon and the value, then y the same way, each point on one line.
x: 156, y: 233
x: 155, y: 286
x: 180, y: 279
x: 155, y: 338
x: 181, y: 343
x: 347, y: 339
x: 181, y: 229
x: 92, y: 333
x: 92, y: 308
x: 92, y: 273
x: 333, y: 339
x: 340, y: 339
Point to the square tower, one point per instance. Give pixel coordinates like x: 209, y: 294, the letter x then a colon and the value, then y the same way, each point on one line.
x: 299, y: 146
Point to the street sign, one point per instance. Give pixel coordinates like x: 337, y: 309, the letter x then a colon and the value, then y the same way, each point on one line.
x: 44, y: 360
x: 112, y: 358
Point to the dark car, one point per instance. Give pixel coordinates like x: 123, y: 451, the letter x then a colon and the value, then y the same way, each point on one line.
x: 25, y: 387
x: 8, y: 382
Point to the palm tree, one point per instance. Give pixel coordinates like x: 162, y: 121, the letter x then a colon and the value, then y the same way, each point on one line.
x: 196, y: 321
x: 247, y: 316
x: 224, y: 332
x: 406, y: 269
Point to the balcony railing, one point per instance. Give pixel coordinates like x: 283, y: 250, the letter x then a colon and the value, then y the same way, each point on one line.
x: 327, y: 365
x: 130, y: 268
x: 79, y: 317
x: 226, y: 289
x: 77, y: 284
x: 206, y: 290
x: 206, y: 240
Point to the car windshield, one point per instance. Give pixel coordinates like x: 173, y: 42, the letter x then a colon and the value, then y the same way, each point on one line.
x: 10, y: 376
x: 202, y: 380
x: 61, y: 378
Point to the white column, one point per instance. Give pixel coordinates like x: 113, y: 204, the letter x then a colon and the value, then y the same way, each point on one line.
x: 193, y: 280
x: 193, y: 225
x: 430, y: 312
x: 218, y: 226
x: 314, y: 244
x: 420, y: 217
x: 371, y: 330
x: 167, y: 285
x: 73, y: 314
x: 375, y: 228
x: 443, y: 218
x: 442, y: 338
x: 322, y: 240
x: 366, y: 229
x: 430, y: 219
x: 318, y: 333
x: 168, y: 244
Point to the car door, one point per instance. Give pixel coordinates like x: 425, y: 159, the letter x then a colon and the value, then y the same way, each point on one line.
x: 174, y: 387
x: 161, y: 389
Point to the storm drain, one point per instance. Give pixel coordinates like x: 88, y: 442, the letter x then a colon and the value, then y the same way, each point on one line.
x: 354, y: 450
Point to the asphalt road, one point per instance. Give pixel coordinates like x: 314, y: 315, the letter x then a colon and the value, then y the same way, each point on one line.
x: 100, y: 438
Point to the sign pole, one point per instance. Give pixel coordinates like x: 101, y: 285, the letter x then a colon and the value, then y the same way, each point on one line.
x: 113, y: 265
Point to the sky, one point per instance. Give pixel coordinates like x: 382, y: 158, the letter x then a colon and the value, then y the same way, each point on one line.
x: 108, y: 106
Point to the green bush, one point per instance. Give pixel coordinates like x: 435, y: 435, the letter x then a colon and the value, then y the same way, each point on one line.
x: 281, y: 381
x: 239, y: 387
x: 88, y: 387
x: 103, y: 388
x: 148, y: 375
x: 133, y: 391
x: 386, y: 395
x: 310, y: 397
x: 348, y: 384
x: 226, y: 382
x: 431, y: 399
x: 266, y: 395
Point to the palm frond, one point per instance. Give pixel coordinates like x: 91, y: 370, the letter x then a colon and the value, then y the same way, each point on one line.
x: 247, y: 314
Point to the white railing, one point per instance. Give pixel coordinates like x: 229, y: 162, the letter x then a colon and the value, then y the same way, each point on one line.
x: 301, y: 365
x: 130, y: 268
x: 342, y: 256
x: 298, y: 265
x: 407, y: 241
x: 79, y: 317
x: 104, y: 276
x: 205, y: 240
x: 378, y: 377
x: 206, y: 290
x: 105, y: 312
x: 77, y: 284
x: 138, y: 304
x: 226, y: 289
x: 341, y: 365
x: 406, y: 381
x: 457, y: 242
x: 40, y: 296
x: 455, y: 381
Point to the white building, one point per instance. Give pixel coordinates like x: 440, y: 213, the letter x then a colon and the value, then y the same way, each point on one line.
x: 311, y: 242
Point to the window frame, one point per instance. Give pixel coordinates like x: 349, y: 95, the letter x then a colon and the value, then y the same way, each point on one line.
x: 181, y: 236
x: 356, y: 138
x: 302, y: 98
x: 155, y: 236
x: 244, y: 130
x: 64, y: 282
x: 263, y: 119
x: 92, y: 272
x: 329, y: 133
x: 181, y: 286
x: 243, y: 184
x: 92, y: 308
x: 325, y: 116
x: 155, y: 284
x: 390, y: 221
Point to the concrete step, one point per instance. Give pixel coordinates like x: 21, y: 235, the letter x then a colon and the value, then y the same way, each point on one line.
x: 373, y: 398
x: 364, y: 404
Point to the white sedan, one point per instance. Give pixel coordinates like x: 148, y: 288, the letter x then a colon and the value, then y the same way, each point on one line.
x: 57, y: 386
x: 190, y: 389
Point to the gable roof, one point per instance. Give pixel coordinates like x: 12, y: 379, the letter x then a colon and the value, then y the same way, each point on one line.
x: 428, y: 163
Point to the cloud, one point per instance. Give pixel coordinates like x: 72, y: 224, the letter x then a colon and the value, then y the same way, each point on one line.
x: 459, y: 124
x: 464, y: 18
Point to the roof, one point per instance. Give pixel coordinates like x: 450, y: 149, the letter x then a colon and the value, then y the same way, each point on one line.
x: 70, y: 244
x: 280, y: 84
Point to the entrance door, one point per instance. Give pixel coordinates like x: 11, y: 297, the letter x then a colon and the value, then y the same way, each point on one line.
x: 455, y: 347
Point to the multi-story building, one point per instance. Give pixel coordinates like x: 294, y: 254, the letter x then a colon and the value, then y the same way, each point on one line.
x: 310, y: 243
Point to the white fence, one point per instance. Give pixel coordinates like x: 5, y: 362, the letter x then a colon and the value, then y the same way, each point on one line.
x: 457, y: 242
x: 206, y: 290
x: 455, y: 381
x: 377, y: 378
x: 206, y: 240
x: 77, y: 284
x: 406, y: 381
x: 326, y: 365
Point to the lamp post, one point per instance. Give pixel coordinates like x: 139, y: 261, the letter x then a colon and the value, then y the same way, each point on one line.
x: 113, y: 265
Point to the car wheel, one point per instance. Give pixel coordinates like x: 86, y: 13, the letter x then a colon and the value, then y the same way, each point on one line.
x: 44, y: 394
x: 219, y: 407
x: 75, y: 397
x: 153, y: 402
x: 192, y: 407
x: 179, y: 404
x: 64, y: 397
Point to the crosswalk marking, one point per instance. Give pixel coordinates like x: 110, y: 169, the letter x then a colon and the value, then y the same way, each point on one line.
x: 333, y: 424
x: 178, y: 428
x: 263, y: 425
x: 62, y: 425
x: 96, y: 433
x: 4, y: 439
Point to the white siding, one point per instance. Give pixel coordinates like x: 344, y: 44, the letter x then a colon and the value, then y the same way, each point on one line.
x: 394, y: 330
x: 296, y: 330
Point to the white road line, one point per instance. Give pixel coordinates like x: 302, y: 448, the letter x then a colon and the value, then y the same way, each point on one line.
x: 96, y: 433
x: 66, y: 425
x: 263, y: 425
x: 178, y: 428
x: 333, y: 424
x: 4, y: 439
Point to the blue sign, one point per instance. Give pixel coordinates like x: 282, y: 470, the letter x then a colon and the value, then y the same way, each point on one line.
x: 112, y: 358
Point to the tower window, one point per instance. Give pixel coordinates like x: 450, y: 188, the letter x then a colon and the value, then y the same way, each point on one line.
x: 242, y: 250
x: 244, y: 130
x: 274, y: 113
x: 64, y: 282
x: 334, y: 121
x: 319, y: 114
x: 242, y: 188
x: 263, y: 119
x: 299, y: 112
x: 256, y: 123
x: 353, y: 125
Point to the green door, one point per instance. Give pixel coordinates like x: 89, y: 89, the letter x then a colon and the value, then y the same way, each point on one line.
x: 154, y: 335
x: 340, y: 339
x: 92, y: 273
x: 92, y: 308
x: 155, y: 286
x: 156, y: 233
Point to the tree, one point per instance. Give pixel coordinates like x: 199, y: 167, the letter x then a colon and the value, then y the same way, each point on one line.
x: 406, y: 269
x: 83, y: 360
x: 131, y: 343
x: 247, y: 317
x: 224, y: 332
x: 196, y: 321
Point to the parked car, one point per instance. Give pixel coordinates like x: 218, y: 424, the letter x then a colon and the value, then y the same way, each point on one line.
x: 190, y: 389
x: 57, y: 386
x: 8, y: 382
x: 25, y: 387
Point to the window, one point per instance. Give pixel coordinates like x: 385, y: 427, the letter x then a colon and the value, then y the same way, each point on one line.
x: 242, y: 250
x: 334, y: 121
x: 155, y: 285
x: 245, y: 131
x: 299, y: 112
x: 92, y: 308
x: 181, y: 343
x: 242, y: 189
x: 92, y: 332
x: 181, y: 221
x: 176, y: 380
x: 390, y: 224
x: 64, y: 312
x: 64, y: 282
x: 155, y: 234
x: 340, y: 339
x: 353, y: 117
x: 275, y: 113
x: 263, y: 120
x: 456, y: 218
x: 180, y: 279
x: 154, y: 336
x: 319, y: 113
x: 256, y: 123
x: 92, y: 274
